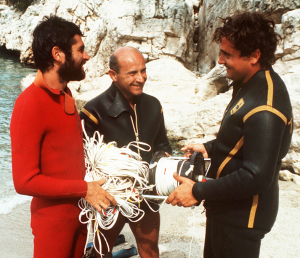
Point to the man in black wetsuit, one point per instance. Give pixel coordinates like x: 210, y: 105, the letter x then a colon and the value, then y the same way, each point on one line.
x: 241, y: 200
x: 123, y: 113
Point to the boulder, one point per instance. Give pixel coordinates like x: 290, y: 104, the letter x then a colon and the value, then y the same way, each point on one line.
x: 286, y: 175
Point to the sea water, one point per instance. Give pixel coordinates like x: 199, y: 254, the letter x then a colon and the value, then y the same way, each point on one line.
x: 11, y: 74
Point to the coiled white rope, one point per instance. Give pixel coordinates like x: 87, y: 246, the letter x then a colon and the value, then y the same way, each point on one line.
x: 165, y: 183
x: 126, y: 179
x: 165, y: 168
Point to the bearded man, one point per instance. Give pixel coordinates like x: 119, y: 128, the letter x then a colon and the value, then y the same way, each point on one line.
x: 47, y: 147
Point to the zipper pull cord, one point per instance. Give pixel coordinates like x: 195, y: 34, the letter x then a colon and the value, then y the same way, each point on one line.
x: 135, y: 127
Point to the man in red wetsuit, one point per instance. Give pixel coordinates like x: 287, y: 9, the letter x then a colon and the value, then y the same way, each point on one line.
x: 47, y: 147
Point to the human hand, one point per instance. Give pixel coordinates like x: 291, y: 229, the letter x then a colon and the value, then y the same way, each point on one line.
x: 98, y: 197
x: 182, y: 195
x: 191, y: 148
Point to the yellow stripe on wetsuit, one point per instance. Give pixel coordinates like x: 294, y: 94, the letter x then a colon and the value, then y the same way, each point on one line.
x: 229, y: 157
x: 90, y: 116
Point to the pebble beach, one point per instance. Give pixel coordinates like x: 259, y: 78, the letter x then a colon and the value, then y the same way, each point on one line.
x: 182, y: 230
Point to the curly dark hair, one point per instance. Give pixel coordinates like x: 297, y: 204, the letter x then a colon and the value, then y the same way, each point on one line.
x: 248, y: 32
x: 52, y: 31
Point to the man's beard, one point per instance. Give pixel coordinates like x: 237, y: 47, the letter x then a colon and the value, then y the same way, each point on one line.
x: 69, y: 71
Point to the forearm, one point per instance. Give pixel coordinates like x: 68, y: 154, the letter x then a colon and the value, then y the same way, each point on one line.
x: 30, y: 180
x: 209, y: 146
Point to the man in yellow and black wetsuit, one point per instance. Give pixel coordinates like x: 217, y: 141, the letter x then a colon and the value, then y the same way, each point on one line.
x: 255, y: 134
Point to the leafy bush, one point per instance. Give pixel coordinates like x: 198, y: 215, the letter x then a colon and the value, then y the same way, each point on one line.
x: 20, y: 5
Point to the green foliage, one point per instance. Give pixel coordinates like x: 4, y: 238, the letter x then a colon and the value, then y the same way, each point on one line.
x: 20, y: 5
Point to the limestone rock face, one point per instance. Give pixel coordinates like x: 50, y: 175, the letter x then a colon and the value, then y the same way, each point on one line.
x: 157, y: 28
x: 211, y: 11
x: 164, y: 32
x: 183, y: 95
x: 288, y: 67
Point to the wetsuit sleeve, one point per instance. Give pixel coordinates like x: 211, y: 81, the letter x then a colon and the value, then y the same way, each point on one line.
x: 263, y: 133
x: 27, y: 131
x: 90, y: 121
x: 161, y: 140
x: 209, y: 146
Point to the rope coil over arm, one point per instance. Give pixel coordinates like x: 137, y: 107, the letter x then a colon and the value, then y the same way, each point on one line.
x: 126, y: 179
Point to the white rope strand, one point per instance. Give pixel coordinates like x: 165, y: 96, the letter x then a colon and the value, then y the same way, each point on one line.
x: 126, y: 180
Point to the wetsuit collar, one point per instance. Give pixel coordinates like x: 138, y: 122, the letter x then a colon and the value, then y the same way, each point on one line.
x: 120, y: 104
x: 237, y: 84
x: 69, y: 102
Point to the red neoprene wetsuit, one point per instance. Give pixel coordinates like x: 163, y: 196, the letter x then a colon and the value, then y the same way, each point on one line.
x: 48, y: 164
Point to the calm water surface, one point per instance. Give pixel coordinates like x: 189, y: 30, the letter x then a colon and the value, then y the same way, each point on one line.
x: 11, y: 74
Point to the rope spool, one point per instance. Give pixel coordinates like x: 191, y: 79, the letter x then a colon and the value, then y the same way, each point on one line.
x: 162, y: 168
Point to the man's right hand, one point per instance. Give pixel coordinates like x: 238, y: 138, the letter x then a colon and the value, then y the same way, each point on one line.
x: 98, y: 197
x: 191, y: 148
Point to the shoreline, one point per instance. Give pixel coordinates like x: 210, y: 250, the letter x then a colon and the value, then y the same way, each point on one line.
x: 15, y: 231
x: 178, y: 229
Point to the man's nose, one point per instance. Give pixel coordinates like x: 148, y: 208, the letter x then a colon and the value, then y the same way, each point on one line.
x: 141, y: 77
x: 86, y: 56
x: 221, y: 60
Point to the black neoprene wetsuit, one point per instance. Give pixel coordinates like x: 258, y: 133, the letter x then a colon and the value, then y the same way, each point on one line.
x: 110, y: 112
x: 254, y: 136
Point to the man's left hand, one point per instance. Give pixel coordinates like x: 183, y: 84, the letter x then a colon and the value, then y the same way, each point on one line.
x: 182, y: 195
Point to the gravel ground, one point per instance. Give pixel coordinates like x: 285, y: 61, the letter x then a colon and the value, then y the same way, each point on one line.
x: 182, y: 230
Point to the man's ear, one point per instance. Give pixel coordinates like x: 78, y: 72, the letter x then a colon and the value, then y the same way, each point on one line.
x: 255, y: 56
x: 112, y: 74
x: 57, y: 54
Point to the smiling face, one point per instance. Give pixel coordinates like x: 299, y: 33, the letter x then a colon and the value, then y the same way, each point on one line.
x: 131, y: 76
x: 239, y: 68
x: 72, y: 68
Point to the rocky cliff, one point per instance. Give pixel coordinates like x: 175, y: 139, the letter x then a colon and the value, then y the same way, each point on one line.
x: 175, y: 39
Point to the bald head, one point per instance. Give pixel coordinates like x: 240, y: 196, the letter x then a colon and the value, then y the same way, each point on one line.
x: 121, y: 53
x: 128, y: 71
